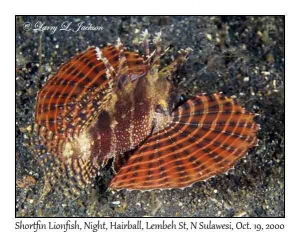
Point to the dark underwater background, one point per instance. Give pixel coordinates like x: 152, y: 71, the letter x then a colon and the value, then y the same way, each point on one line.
x: 238, y: 55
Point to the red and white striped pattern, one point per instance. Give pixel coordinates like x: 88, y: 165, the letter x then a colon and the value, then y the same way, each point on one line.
x: 207, y: 135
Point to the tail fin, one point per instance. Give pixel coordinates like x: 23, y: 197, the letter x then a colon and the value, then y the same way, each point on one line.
x: 206, y: 136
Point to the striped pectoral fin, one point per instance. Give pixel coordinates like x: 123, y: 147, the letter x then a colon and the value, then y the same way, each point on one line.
x: 68, y: 176
x: 207, y: 135
x: 71, y: 96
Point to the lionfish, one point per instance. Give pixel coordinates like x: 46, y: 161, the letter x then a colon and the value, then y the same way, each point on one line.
x: 104, y: 103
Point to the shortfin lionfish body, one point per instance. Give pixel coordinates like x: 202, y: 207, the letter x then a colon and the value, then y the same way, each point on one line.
x: 106, y: 102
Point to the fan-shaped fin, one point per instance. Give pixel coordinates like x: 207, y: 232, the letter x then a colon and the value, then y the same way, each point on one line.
x: 67, y: 102
x: 206, y: 136
x: 71, y: 98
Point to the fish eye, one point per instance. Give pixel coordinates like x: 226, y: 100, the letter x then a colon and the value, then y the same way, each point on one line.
x: 181, y: 98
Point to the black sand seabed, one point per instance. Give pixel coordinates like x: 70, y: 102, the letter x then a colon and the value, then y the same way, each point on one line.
x: 241, y: 56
